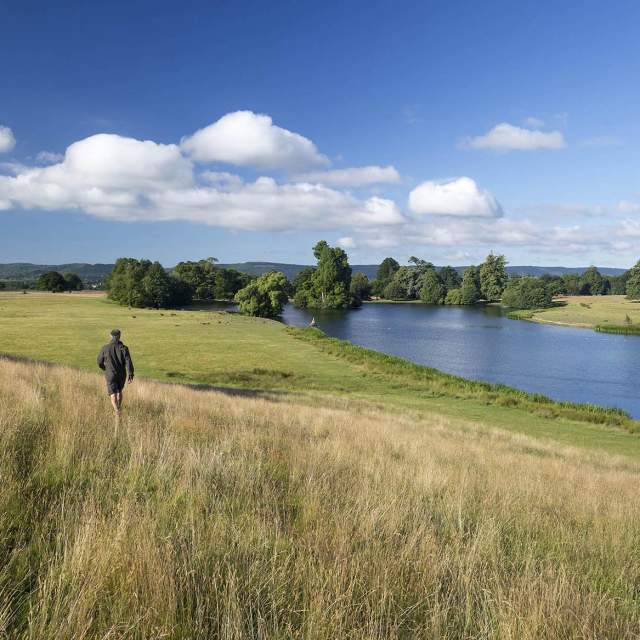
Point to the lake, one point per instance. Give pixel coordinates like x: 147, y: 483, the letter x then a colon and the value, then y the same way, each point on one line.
x: 481, y: 343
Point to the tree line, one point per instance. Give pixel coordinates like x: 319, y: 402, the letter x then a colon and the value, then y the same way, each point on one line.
x: 57, y: 283
x: 330, y: 284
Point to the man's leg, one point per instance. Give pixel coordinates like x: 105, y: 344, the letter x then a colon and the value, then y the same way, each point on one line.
x: 115, y: 402
x: 119, y: 399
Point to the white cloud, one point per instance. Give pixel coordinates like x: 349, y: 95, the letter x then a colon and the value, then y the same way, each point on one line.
x: 7, y: 141
x: 248, y: 139
x: 352, y: 177
x: 460, y: 197
x: 508, y: 137
x: 347, y: 242
x: 119, y: 178
x: 4, y: 205
x: 49, y: 157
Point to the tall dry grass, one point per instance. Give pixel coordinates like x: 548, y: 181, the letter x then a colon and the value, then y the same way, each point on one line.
x: 213, y: 516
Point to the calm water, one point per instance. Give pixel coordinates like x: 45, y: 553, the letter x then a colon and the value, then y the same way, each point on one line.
x: 481, y: 343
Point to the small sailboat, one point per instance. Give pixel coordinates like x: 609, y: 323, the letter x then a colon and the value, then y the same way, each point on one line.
x: 313, y: 322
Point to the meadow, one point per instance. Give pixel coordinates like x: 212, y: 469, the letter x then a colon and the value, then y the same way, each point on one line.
x: 205, y: 514
x: 591, y: 311
x: 264, y: 358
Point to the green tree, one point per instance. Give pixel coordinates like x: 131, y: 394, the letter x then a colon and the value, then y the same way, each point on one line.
x: 360, y: 288
x: 592, y: 283
x: 493, y: 277
x: 73, y: 282
x: 633, y: 282
x: 454, y: 296
x: 526, y: 293
x: 450, y: 278
x: 199, y: 276
x: 386, y: 270
x: 141, y: 283
x: 394, y: 291
x: 157, y: 287
x: 555, y: 284
x: 302, y: 279
x: 470, y: 288
x: 618, y: 284
x: 433, y: 291
x: 572, y: 284
x: 51, y: 281
x: 329, y: 284
x: 265, y: 296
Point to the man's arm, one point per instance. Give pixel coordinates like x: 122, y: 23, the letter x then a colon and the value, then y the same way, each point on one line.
x: 100, y: 359
x: 129, y: 363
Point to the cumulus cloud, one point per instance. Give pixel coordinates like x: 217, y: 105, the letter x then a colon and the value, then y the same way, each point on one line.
x: 352, y: 177
x: 7, y: 141
x: 114, y: 177
x: 459, y: 197
x: 347, y: 242
x: 245, y: 138
x: 49, y: 157
x: 508, y: 137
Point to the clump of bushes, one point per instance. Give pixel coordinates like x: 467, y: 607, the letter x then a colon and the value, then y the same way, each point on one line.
x: 57, y: 283
x: 265, y: 297
x: 526, y: 293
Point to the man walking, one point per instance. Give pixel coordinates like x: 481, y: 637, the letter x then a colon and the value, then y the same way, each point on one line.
x: 115, y: 361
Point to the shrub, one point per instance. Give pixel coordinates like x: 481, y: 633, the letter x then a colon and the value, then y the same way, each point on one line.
x: 526, y: 293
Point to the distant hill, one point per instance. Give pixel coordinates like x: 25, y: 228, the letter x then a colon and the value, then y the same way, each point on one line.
x: 25, y: 271
x: 370, y: 270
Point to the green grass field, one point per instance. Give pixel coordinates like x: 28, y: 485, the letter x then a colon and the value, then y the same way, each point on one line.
x: 590, y: 311
x: 264, y: 357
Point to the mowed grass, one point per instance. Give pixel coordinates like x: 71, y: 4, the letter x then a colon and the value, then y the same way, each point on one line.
x: 262, y: 357
x: 207, y: 516
x: 590, y: 311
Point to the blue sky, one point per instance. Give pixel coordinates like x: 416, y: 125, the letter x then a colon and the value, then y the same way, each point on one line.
x: 249, y: 130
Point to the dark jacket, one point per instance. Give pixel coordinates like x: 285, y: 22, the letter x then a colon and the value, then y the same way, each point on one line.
x: 115, y: 361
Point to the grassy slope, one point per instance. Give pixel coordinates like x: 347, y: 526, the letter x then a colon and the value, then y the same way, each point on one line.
x: 219, y: 349
x: 210, y: 516
x: 589, y: 311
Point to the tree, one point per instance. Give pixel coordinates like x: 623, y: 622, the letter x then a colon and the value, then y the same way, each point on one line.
x: 470, y: 289
x: 592, y: 283
x: 265, y: 296
x: 633, y: 282
x: 157, y: 288
x: 360, y: 288
x: 433, y: 291
x: 526, y: 293
x: 450, y: 278
x: 394, y: 291
x: 302, y: 279
x: 329, y: 284
x: 618, y: 284
x: 73, y: 282
x: 141, y: 283
x: 199, y: 276
x: 572, y: 284
x: 454, y: 296
x: 493, y: 277
x: 386, y: 270
x: 51, y: 281
x: 555, y: 284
